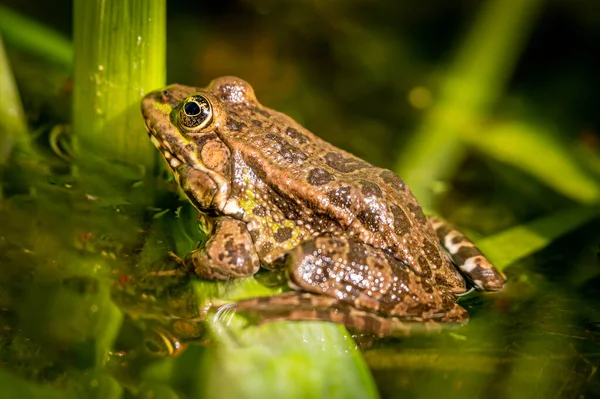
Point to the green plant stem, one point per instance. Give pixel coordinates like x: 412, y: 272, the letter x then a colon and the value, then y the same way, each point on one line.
x: 119, y: 56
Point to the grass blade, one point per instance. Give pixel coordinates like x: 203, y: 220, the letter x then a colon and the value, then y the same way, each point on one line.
x: 27, y: 35
x: 13, y: 127
x: 520, y: 241
x: 541, y: 156
x: 475, y: 81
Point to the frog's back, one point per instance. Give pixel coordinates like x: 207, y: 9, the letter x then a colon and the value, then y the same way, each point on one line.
x: 331, y: 191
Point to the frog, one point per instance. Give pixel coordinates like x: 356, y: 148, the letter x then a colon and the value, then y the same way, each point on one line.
x: 353, y: 241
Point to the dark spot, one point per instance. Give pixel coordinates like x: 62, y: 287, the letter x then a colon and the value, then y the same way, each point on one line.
x: 370, y: 189
x: 166, y: 95
x: 232, y: 124
x: 458, y: 239
x: 233, y: 251
x: 466, y: 252
x: 306, y: 301
x: 418, y: 212
x: 289, y: 208
x: 369, y: 219
x: 265, y: 249
x: 393, y: 179
x: 259, y: 211
x: 401, y: 221
x: 422, y: 262
x: 344, y: 165
x: 443, y: 230
x: 432, y: 253
x: 321, y: 222
x: 440, y: 280
x: 255, y: 235
x: 286, y: 150
x: 357, y: 253
x: 318, y: 177
x: 296, y: 135
x: 221, y: 256
x: 202, y: 139
x: 256, y: 122
x: 340, y: 197
x: 262, y: 111
x: 283, y: 234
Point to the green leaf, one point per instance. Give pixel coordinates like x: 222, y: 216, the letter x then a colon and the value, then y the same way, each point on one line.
x: 540, y: 155
x: 13, y: 126
x: 285, y: 359
x: 517, y: 242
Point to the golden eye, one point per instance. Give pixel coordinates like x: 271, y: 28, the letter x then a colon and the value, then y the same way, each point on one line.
x: 195, y: 113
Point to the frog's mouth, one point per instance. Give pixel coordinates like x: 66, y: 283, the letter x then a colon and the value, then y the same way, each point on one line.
x: 163, y: 147
x: 162, y: 144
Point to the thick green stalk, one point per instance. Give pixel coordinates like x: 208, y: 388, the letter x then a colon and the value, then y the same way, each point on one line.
x: 119, y: 56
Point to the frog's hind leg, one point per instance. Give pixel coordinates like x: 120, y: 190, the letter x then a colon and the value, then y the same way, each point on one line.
x: 370, y: 280
x: 467, y: 257
x: 302, y: 306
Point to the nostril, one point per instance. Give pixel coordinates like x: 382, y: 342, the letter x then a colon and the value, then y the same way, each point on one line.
x: 165, y: 96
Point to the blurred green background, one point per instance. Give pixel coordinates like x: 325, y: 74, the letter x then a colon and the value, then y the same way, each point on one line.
x: 489, y: 111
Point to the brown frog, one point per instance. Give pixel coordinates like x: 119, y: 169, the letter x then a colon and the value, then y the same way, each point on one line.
x: 355, y: 243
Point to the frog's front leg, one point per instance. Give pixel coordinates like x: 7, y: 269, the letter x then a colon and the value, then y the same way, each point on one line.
x: 228, y: 253
x: 369, y: 279
x: 467, y: 257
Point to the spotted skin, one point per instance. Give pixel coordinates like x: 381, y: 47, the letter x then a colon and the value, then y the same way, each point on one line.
x: 276, y: 193
x: 228, y: 253
x: 367, y: 278
x: 310, y: 307
x: 468, y: 258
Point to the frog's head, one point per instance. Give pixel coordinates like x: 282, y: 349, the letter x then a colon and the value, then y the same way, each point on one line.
x: 183, y: 122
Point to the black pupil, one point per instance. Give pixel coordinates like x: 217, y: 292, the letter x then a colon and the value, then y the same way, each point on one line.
x: 192, y: 109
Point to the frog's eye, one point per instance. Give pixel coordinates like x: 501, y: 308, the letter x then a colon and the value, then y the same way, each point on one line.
x: 195, y: 113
